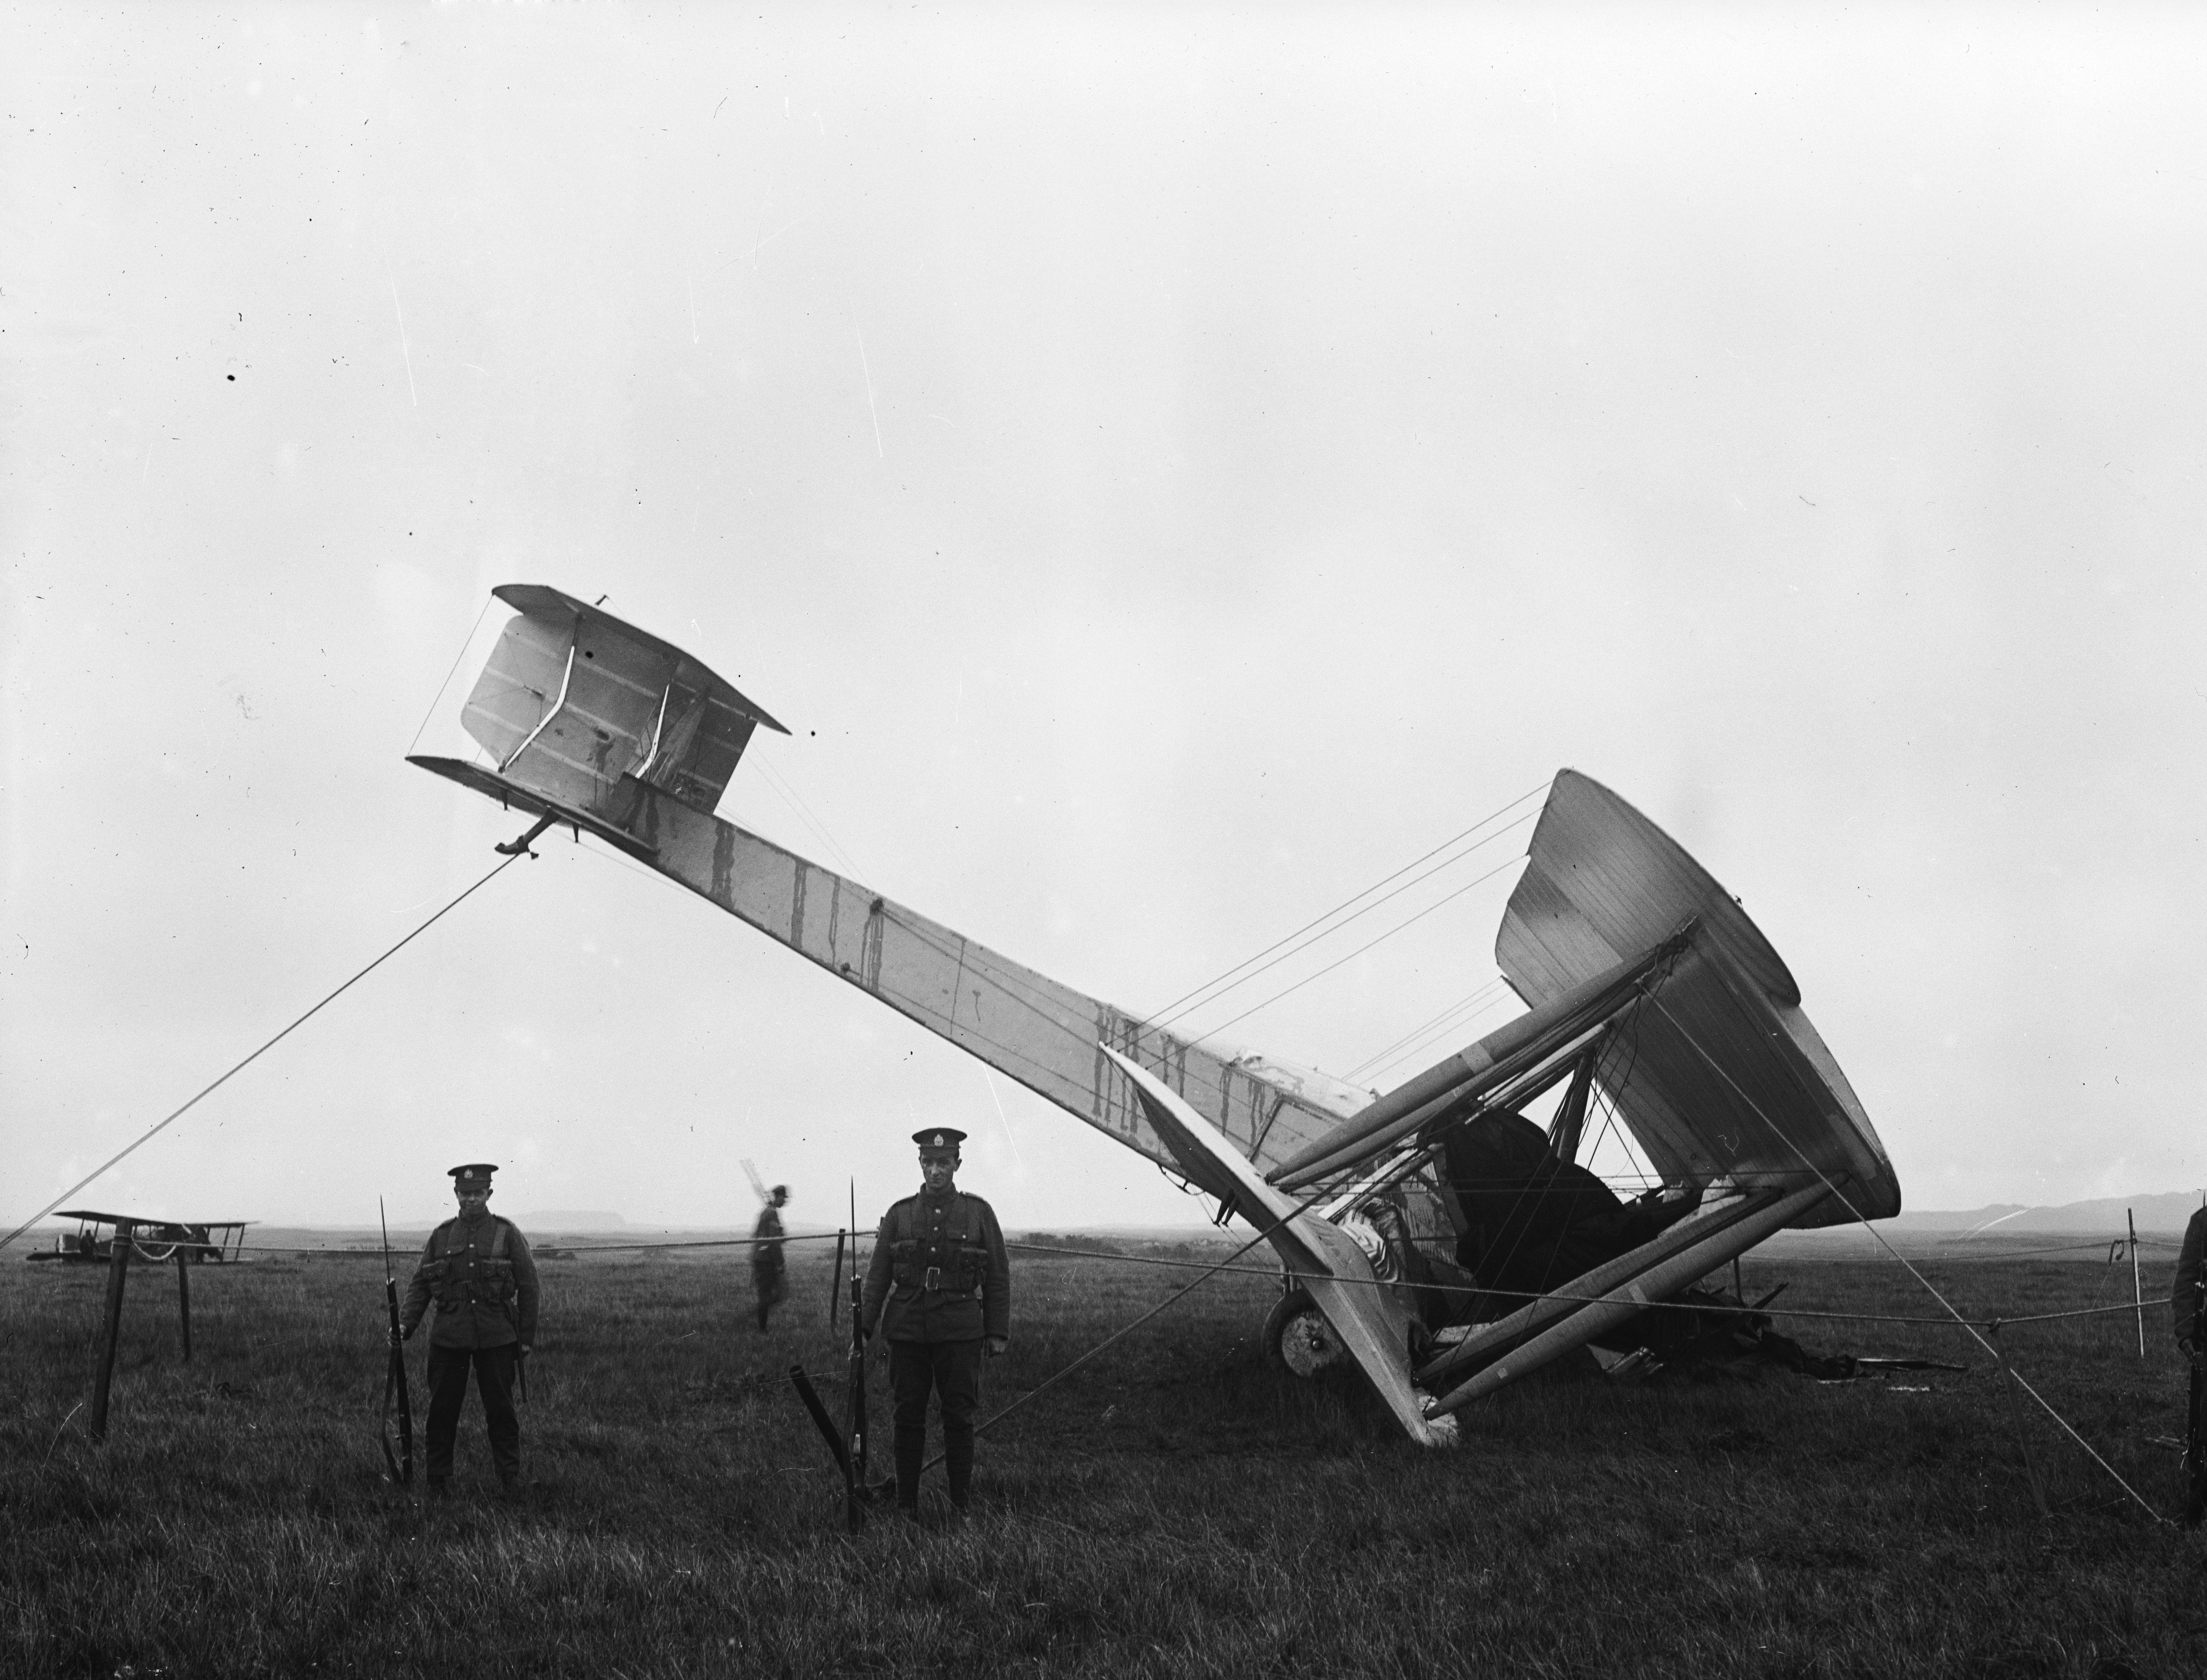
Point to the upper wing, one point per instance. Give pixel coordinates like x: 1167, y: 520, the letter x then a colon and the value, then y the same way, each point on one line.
x: 1719, y: 1074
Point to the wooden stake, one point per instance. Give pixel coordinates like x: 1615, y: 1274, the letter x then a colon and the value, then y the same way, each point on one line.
x: 184, y: 1298
x: 2137, y: 1293
x: 118, y: 1262
x: 2012, y: 1383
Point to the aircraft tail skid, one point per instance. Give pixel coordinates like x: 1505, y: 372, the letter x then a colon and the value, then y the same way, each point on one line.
x: 1323, y: 1257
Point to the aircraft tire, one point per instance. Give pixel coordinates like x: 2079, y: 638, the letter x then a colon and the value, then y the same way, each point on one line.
x: 1297, y: 1337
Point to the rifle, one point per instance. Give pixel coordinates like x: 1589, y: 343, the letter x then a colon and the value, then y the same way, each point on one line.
x: 856, y: 1491
x: 847, y: 1443
x: 400, y: 1464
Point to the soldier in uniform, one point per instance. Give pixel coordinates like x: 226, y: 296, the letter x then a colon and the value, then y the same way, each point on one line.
x: 770, y: 1275
x: 2186, y: 1303
x: 940, y: 1289
x: 479, y: 1269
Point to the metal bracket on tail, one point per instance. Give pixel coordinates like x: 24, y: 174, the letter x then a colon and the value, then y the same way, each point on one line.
x: 515, y: 848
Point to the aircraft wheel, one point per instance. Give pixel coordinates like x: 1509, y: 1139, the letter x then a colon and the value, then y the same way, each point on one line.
x: 1297, y: 1335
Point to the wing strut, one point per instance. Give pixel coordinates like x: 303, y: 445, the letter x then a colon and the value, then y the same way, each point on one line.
x: 1510, y: 1050
x: 1650, y: 1283
x: 1365, y: 1313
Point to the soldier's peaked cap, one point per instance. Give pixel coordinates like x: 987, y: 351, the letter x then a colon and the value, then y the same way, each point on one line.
x: 939, y: 1136
x: 475, y: 1175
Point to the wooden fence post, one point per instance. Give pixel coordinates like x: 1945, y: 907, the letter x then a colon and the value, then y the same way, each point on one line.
x: 184, y: 1297
x: 2138, y: 1290
x: 118, y: 1262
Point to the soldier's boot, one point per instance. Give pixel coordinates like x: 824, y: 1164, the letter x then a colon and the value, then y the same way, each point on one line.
x: 911, y: 1453
x: 958, y: 1466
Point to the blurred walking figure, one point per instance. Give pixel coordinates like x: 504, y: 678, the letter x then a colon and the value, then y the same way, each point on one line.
x: 770, y: 1273
x: 940, y: 1288
x: 478, y: 1268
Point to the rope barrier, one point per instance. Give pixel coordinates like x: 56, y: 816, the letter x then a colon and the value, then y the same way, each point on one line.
x: 1227, y: 1268
x: 1590, y: 1301
x: 565, y: 1247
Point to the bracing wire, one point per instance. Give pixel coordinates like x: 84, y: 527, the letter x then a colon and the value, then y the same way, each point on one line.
x: 238, y: 1067
x: 1296, y: 944
x: 1421, y: 1042
x: 1436, y: 1022
x: 805, y: 815
x: 466, y: 642
x: 1318, y: 974
x: 1839, y: 1195
x: 1188, y: 1000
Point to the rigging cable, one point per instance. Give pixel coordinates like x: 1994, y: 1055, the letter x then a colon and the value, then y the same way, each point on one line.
x: 1448, y: 1021
x: 1841, y: 1197
x: 1175, y: 1012
x: 1187, y: 998
x: 465, y: 644
x: 1321, y: 973
x: 239, y: 1067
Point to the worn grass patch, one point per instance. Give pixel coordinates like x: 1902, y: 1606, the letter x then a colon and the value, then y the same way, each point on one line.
x: 1177, y: 1508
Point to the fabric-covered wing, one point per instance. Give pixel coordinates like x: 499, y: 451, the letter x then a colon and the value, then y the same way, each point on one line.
x: 573, y: 699
x: 1719, y: 1074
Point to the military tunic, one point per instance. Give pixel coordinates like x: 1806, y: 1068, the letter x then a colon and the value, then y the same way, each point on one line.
x: 2184, y: 1288
x: 940, y: 1281
x: 940, y: 1271
x: 484, y: 1281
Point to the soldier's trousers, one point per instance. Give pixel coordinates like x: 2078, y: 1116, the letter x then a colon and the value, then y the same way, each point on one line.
x: 448, y: 1388
x: 771, y: 1285
x: 952, y: 1369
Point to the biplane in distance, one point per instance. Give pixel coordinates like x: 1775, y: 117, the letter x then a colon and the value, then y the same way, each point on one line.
x: 158, y: 1241
x: 1432, y: 1232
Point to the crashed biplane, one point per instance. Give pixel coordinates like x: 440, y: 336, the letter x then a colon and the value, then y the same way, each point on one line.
x: 1432, y: 1232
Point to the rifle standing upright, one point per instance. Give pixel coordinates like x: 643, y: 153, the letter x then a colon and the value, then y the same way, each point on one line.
x: 401, y: 1463
x: 855, y: 1418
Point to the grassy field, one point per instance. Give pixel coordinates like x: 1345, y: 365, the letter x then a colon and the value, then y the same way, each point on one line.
x: 1175, y: 1507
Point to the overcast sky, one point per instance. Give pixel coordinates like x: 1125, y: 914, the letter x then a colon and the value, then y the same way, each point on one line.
x: 1171, y: 467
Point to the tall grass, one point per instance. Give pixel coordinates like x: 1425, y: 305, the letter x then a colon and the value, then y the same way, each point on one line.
x: 1175, y: 1507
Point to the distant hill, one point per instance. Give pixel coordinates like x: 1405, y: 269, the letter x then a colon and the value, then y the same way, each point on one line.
x: 568, y: 1219
x: 2162, y: 1215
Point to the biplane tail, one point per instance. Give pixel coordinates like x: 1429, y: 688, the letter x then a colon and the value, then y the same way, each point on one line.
x: 579, y: 713
x: 1365, y: 1313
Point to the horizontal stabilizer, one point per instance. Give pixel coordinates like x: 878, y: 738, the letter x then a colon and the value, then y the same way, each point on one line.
x: 492, y: 785
x: 1364, y: 1312
x: 573, y: 701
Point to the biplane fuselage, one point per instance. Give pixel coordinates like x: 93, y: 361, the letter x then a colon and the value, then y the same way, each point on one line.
x: 1644, y: 980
